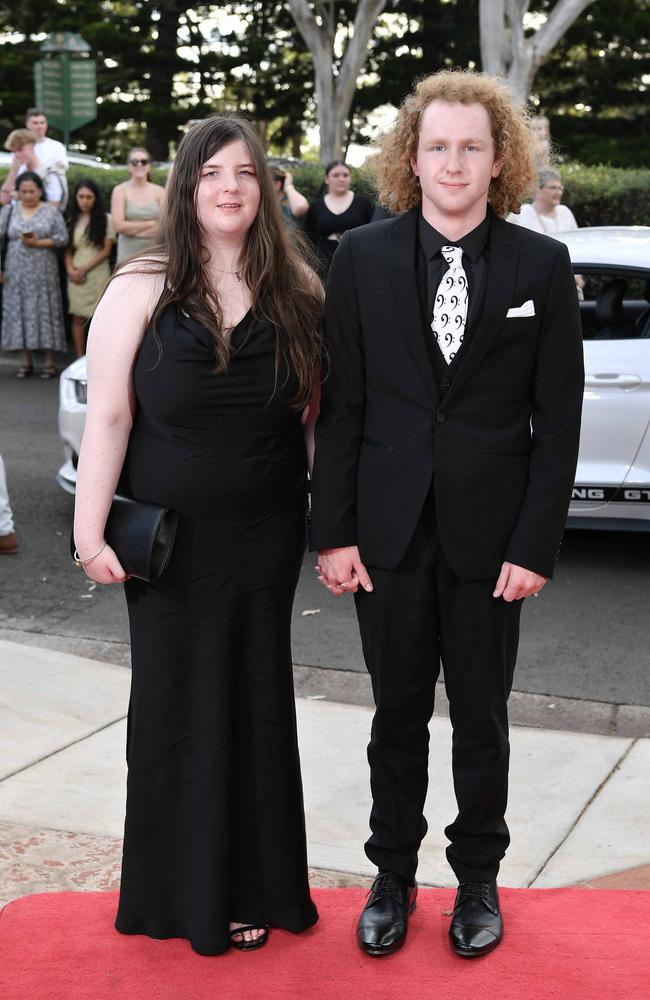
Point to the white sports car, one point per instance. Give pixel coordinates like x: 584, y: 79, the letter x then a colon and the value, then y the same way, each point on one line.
x: 72, y: 417
x: 612, y: 487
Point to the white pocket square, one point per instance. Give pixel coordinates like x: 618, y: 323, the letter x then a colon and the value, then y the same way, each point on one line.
x: 528, y: 309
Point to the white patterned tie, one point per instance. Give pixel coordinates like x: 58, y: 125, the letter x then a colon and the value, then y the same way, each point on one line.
x: 450, y: 306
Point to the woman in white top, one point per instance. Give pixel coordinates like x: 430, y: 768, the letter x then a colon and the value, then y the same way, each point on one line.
x: 546, y: 214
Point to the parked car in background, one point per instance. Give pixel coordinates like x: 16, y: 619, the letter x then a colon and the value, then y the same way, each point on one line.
x: 86, y: 160
x: 612, y: 488
x: 75, y: 160
x: 72, y: 417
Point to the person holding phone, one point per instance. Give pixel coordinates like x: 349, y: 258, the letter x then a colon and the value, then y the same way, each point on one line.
x: 32, y: 314
x: 293, y: 204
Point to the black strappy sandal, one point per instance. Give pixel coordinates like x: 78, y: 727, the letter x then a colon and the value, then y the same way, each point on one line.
x: 25, y: 371
x: 244, y: 945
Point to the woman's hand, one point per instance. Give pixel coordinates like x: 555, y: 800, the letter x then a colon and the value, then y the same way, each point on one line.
x: 77, y: 275
x: 105, y: 568
x: 342, y: 571
x: 30, y: 240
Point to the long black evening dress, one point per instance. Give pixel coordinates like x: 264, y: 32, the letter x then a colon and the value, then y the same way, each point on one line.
x: 215, y: 826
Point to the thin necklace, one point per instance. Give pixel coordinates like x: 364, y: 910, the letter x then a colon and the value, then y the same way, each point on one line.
x: 223, y: 271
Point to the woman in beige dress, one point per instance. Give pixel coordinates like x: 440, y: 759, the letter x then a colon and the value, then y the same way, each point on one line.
x: 135, y: 207
x: 92, y: 236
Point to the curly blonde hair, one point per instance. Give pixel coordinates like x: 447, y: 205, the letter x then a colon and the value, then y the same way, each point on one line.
x: 399, y: 188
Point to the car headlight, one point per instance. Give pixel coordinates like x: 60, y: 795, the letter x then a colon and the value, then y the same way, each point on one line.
x: 81, y: 391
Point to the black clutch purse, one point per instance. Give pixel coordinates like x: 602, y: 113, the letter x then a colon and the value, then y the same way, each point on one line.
x: 141, y: 535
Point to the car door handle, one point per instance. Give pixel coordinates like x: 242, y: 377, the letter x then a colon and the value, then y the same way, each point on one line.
x: 605, y: 380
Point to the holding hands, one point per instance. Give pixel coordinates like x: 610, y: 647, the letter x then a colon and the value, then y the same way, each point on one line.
x: 342, y: 571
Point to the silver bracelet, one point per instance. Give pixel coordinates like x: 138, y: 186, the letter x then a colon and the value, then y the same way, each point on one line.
x: 78, y: 561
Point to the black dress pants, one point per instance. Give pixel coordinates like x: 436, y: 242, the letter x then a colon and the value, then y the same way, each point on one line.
x: 418, y: 616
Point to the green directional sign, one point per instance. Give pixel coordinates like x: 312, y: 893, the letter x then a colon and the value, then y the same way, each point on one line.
x: 48, y: 80
x: 83, y: 92
x: 66, y: 83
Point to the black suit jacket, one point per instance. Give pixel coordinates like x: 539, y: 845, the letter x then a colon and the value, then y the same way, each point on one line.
x: 500, y: 446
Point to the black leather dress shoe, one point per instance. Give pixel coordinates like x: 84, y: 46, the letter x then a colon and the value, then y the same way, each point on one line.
x: 384, y: 919
x: 477, y: 925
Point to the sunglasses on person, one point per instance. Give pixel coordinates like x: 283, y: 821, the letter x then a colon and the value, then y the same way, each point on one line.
x: 134, y: 162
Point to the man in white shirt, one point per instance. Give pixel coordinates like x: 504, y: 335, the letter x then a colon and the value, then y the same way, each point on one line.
x: 51, y: 155
x: 49, y: 152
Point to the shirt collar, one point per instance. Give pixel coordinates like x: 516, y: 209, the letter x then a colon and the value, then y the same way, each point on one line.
x: 473, y: 244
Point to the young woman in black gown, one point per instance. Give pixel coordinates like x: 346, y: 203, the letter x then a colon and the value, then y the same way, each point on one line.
x: 203, y: 363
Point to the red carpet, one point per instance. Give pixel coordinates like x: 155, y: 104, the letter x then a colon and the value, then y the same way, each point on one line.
x: 561, y: 944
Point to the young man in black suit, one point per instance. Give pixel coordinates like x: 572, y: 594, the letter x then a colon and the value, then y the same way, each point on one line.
x: 445, y: 456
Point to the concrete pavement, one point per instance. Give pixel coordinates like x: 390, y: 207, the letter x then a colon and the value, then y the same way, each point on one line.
x: 579, y: 806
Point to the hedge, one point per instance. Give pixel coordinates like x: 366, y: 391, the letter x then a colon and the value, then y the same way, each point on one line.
x: 607, y: 196
x: 597, y: 196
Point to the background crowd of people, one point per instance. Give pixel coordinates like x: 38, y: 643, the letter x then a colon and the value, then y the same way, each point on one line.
x: 59, y: 247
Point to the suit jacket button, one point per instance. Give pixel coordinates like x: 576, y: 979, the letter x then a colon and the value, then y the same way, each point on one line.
x: 446, y: 383
x: 441, y: 417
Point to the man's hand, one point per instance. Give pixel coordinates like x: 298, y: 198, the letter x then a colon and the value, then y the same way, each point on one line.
x: 342, y: 571
x: 516, y: 582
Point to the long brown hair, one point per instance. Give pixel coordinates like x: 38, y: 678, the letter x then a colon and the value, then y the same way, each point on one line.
x: 284, y: 289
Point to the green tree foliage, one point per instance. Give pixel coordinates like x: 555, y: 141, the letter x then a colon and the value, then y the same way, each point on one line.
x: 418, y: 37
x: 114, y: 35
x: 607, y: 196
x: 163, y: 62
x: 267, y: 72
x: 592, y: 86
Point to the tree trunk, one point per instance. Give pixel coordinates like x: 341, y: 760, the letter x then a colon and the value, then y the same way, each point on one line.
x: 334, y: 91
x: 492, y: 30
x: 505, y: 50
